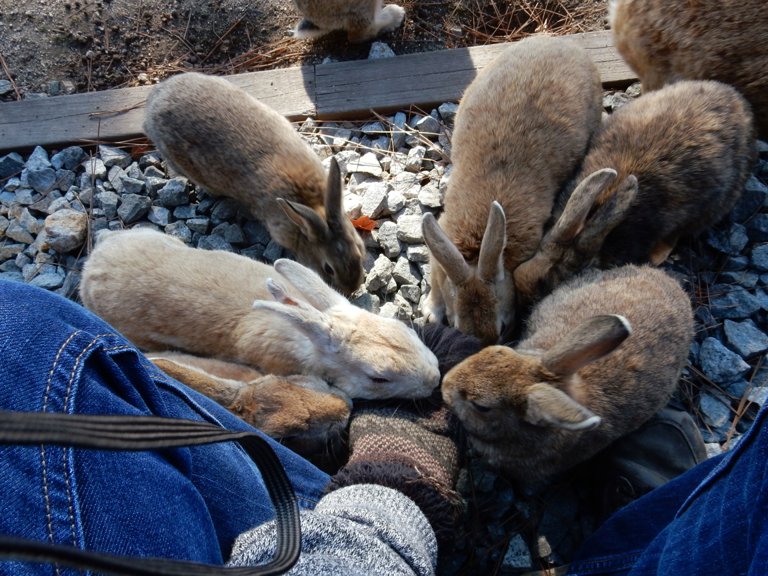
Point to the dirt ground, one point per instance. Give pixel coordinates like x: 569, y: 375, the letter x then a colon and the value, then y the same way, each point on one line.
x: 65, y: 46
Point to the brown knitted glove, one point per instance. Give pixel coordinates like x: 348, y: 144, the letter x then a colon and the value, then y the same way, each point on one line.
x: 411, y: 447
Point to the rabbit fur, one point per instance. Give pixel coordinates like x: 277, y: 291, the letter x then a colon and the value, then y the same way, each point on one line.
x: 298, y: 407
x: 521, y: 129
x: 223, y: 139
x: 667, y: 165
x: 362, y: 19
x: 725, y: 40
x: 599, y: 357
x: 283, y: 320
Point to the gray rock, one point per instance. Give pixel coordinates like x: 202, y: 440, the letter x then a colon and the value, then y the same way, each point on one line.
x: 719, y: 364
x: 26, y: 196
x: 8, y: 251
x: 345, y: 158
x: 131, y: 185
x: 69, y: 158
x: 18, y: 233
x: 373, y: 129
x: 428, y: 126
x: 108, y: 201
x: 94, y: 168
x: 224, y: 209
x: 133, y: 207
x: 159, y: 215
x: 759, y: 257
x: 738, y: 388
x: 379, y: 276
x: 447, y: 112
x: 367, y: 164
x: 757, y: 228
x: 153, y: 184
x: 430, y: 196
x: 715, y: 412
x: 199, y: 225
x: 517, y: 555
x: 734, y: 303
x: 231, y: 232
x: 415, y: 158
x: 745, y: 338
x: 179, y: 230
x: 366, y: 301
x: 744, y: 278
x: 112, y: 156
x: 42, y: 180
x: 380, y: 50
x: 256, y: 233
x: 404, y: 272
x: 409, y: 229
x: 374, y: 200
x: 758, y: 396
x: 10, y: 164
x: 174, y: 193
x: 386, y: 236
x: 417, y: 253
x: 65, y: 230
x: 411, y: 292
x: 49, y: 280
x: 214, y: 242
x: 65, y: 179
x: 6, y: 87
x: 184, y: 212
x: 731, y: 241
x: 273, y: 251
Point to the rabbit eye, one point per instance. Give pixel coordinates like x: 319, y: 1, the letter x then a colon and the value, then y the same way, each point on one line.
x: 479, y: 407
x: 327, y: 269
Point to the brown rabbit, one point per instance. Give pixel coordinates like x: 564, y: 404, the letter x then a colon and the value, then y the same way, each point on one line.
x: 600, y: 356
x: 725, y: 40
x: 223, y: 139
x: 362, y: 19
x: 667, y: 165
x: 297, y: 407
x: 521, y: 130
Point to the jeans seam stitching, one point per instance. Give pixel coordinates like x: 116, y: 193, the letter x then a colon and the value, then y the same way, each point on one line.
x: 44, y: 466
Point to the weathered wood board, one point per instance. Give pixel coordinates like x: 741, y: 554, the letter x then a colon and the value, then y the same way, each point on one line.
x: 335, y: 90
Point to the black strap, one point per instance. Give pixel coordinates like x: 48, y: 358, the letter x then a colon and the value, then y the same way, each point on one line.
x: 149, y: 433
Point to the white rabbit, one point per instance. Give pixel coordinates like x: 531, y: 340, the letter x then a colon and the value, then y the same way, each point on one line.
x: 162, y: 294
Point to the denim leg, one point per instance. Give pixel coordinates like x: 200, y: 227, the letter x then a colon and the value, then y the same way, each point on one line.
x: 710, y: 521
x: 188, y: 503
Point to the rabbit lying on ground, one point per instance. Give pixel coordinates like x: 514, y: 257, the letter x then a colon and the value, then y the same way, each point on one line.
x: 223, y: 139
x: 521, y: 130
x: 601, y: 355
x: 162, y: 294
x: 298, y: 408
x: 362, y: 19
x: 667, y: 165
x: 725, y: 40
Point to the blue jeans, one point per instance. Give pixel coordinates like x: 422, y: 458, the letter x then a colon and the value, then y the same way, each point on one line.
x: 187, y: 503
x: 710, y: 521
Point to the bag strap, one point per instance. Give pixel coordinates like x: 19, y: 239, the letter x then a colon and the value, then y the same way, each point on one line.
x: 134, y: 433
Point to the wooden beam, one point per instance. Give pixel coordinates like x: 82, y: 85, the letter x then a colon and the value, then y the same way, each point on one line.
x: 335, y: 90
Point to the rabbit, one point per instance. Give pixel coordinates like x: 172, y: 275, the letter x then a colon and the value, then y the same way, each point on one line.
x: 599, y: 357
x: 521, y: 129
x: 725, y: 40
x: 298, y: 407
x: 221, y: 138
x: 667, y: 165
x: 283, y: 320
x: 362, y: 19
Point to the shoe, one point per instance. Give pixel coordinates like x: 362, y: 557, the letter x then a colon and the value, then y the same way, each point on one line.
x: 667, y: 445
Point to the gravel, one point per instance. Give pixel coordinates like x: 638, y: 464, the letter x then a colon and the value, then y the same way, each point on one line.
x: 396, y: 171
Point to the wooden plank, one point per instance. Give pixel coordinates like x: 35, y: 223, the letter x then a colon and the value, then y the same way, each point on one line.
x: 351, y: 89
x: 115, y: 115
x: 336, y: 90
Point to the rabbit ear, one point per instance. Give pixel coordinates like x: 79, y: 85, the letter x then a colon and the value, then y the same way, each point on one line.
x: 550, y: 406
x: 309, y: 283
x: 444, y: 250
x: 490, y: 266
x: 334, y: 209
x: 582, y: 200
x: 588, y: 342
x: 609, y: 215
x: 309, y: 320
x: 308, y: 221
